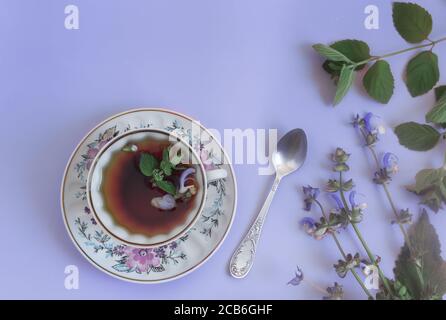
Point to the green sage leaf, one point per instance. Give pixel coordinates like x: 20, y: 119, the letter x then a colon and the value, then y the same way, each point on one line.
x: 379, y: 82
x: 147, y: 163
x: 420, y: 267
x: 346, y: 79
x: 167, y: 186
x: 354, y: 50
x: 422, y: 73
x: 430, y: 187
x: 418, y: 137
x: 413, y: 22
x: 428, y: 179
x: 439, y: 92
x: 330, y: 53
x: 438, y: 112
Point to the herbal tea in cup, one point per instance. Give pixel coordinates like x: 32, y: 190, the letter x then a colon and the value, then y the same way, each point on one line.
x: 148, y: 187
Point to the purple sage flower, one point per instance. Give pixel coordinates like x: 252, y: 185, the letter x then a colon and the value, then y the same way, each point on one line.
x: 368, y: 122
x: 309, y: 225
x: 298, y: 277
x: 351, y: 199
x: 390, y: 163
x: 311, y: 195
x: 337, y: 200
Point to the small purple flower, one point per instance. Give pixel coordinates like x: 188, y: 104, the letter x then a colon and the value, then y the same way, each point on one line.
x: 371, y: 126
x: 311, y: 195
x: 356, y: 121
x: 390, y: 163
x: 351, y: 199
x: 87, y: 210
x: 93, y: 221
x: 337, y: 200
x: 368, y: 122
x: 309, y: 225
x: 184, y: 177
x: 298, y: 277
x: 354, y: 204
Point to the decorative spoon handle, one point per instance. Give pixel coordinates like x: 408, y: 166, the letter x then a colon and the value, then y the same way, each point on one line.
x: 243, y: 257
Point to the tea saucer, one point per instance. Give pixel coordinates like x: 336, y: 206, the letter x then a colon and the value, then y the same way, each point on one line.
x: 159, y: 264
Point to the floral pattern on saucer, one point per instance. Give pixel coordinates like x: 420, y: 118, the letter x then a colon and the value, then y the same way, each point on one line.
x: 150, y: 264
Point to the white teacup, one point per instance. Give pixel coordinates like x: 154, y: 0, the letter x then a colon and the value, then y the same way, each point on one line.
x: 96, y: 199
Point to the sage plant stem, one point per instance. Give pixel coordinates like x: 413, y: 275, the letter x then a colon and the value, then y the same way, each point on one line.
x: 394, y: 209
x: 431, y: 44
x: 344, y: 255
x: 361, y: 239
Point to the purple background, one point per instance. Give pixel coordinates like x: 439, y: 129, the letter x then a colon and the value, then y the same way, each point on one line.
x: 230, y: 64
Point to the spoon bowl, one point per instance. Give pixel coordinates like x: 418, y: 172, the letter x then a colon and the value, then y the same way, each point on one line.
x: 291, y: 152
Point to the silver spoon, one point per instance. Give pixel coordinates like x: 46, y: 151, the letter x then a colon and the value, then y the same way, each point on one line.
x: 290, y: 155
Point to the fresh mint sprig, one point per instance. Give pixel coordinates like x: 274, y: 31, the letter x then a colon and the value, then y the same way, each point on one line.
x: 414, y: 24
x: 151, y: 167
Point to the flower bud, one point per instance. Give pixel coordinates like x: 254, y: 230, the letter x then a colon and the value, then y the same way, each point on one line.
x: 340, y: 156
x: 333, y: 186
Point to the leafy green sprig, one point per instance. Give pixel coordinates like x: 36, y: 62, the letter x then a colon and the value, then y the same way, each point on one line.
x: 424, y: 137
x: 346, y: 57
x: 159, y: 170
x: 415, y: 277
x: 430, y: 184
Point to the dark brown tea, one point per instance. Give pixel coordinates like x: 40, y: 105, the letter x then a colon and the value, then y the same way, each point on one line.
x: 128, y: 193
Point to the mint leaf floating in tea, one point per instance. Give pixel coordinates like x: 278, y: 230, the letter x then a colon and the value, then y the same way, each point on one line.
x: 178, y: 183
x: 165, y: 164
x: 166, y: 186
x: 147, y: 164
x: 158, y: 175
x: 166, y: 167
